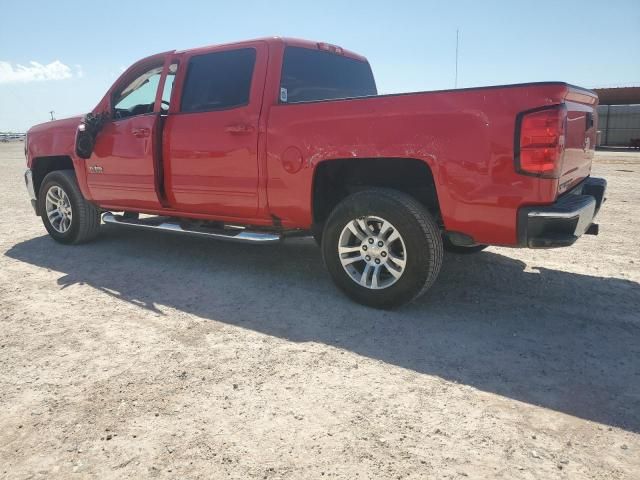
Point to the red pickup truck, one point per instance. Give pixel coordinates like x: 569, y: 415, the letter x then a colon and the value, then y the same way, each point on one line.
x: 259, y: 140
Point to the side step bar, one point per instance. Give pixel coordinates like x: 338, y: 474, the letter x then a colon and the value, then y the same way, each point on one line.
x: 170, y: 225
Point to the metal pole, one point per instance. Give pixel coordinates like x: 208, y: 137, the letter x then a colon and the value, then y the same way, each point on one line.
x: 52, y: 112
x: 457, y: 42
x: 606, y: 129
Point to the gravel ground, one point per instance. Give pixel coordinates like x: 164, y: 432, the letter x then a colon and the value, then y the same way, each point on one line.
x: 152, y: 355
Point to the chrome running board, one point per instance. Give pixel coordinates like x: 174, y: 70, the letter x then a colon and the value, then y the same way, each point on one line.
x: 170, y: 225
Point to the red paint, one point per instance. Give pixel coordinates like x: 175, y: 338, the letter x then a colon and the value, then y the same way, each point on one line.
x: 211, y: 158
x: 127, y: 161
x: 248, y: 164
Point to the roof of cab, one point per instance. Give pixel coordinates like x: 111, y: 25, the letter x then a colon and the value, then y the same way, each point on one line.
x: 295, y: 42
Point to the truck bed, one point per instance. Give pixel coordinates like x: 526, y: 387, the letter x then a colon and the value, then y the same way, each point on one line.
x: 466, y: 136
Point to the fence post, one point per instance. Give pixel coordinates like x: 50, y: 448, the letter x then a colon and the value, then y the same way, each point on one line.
x: 606, y: 129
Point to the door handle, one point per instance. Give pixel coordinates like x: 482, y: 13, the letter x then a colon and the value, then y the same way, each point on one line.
x: 239, y: 129
x: 140, y: 132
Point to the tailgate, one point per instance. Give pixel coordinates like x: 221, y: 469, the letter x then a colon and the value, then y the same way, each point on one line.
x: 580, y: 137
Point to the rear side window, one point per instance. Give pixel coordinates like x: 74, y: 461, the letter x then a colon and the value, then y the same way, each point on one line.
x: 309, y: 75
x: 218, y: 81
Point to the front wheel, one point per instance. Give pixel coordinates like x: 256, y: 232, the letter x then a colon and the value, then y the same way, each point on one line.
x: 382, y: 248
x: 66, y: 215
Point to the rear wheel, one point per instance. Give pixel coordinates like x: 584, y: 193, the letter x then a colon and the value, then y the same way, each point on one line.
x: 382, y: 248
x: 66, y: 215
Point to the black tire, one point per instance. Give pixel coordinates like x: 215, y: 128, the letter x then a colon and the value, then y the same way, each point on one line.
x: 85, y: 217
x: 450, y: 247
x: 419, y: 232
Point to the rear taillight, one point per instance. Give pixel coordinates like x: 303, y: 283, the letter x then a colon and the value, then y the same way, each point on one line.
x: 540, y: 141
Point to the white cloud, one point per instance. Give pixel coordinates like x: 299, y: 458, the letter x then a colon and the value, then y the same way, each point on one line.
x: 79, y: 71
x: 34, y: 72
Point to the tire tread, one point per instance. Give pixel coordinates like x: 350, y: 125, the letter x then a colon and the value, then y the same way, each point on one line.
x: 428, y: 229
x: 88, y: 214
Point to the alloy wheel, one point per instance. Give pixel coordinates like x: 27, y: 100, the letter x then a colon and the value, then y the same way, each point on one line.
x: 372, y: 252
x: 59, y: 211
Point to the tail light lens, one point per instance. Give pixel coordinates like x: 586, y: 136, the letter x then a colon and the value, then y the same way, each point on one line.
x: 540, y: 142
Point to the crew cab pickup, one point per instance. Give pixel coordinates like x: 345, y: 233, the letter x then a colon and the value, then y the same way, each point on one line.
x: 264, y: 139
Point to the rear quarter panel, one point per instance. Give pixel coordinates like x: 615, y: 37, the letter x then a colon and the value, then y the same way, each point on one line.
x: 466, y: 137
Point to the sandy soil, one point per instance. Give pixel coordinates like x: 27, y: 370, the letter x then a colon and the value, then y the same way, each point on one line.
x: 145, y: 355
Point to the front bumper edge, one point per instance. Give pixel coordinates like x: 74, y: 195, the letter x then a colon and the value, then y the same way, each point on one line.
x: 28, y: 180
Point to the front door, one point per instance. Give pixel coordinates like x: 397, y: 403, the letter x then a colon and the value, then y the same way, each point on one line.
x: 211, y: 134
x: 121, y: 170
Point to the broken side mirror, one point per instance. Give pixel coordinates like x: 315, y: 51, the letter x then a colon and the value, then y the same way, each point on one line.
x: 87, y: 132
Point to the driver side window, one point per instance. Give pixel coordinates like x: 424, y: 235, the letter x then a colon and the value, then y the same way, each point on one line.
x: 138, y: 97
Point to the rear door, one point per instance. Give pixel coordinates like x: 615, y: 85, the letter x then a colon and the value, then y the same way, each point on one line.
x: 580, y: 137
x: 121, y: 171
x: 210, y: 140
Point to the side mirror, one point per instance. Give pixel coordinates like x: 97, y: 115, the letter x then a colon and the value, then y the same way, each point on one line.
x: 87, y: 132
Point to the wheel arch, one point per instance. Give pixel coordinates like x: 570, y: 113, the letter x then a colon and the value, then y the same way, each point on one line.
x: 335, y: 179
x: 42, y: 166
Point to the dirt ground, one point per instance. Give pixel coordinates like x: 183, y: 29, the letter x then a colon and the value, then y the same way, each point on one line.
x: 152, y: 355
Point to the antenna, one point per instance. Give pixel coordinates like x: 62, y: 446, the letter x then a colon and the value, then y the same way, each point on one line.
x: 457, y: 42
x: 52, y: 112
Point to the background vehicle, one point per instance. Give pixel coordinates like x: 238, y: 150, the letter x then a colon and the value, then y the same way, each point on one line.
x: 258, y: 140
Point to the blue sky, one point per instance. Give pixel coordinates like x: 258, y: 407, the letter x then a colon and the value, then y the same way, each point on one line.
x: 80, y: 47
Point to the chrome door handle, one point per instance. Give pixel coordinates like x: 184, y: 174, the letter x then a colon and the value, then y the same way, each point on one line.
x: 140, y: 132
x: 239, y: 129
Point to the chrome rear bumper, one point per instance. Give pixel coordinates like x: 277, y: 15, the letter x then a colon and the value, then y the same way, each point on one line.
x: 563, y: 222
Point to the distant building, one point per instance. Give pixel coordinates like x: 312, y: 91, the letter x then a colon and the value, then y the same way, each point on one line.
x: 618, y: 116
